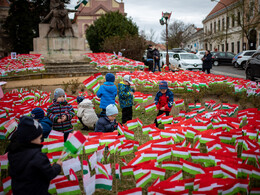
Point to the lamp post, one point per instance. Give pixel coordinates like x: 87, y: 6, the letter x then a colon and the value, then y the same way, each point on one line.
x: 226, y: 19
x: 163, y: 20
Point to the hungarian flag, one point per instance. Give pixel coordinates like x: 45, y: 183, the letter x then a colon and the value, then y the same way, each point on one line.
x: 89, y: 184
x: 10, y: 127
x: 90, y: 82
x: 117, y: 168
x: 102, y: 169
x: 176, y: 176
x: 96, y: 87
x: 75, y: 142
x: 129, y: 134
x: 4, y: 161
x: 91, y: 146
x: 137, y: 107
x: 150, y: 107
x: 82, y: 1
x: 102, y: 182
x: 92, y: 160
x: 85, y: 167
x: 191, y: 168
x: 134, y: 191
x: 132, y: 124
x: 179, y: 103
x: 98, y: 76
x: 7, y: 184
x: 73, y: 176
x: 68, y: 187
x: 142, y: 181
x: 58, y: 179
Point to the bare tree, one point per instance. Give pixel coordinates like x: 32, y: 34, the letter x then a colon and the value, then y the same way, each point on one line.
x: 176, y: 36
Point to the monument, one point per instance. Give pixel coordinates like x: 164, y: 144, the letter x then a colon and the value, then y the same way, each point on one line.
x: 58, y: 39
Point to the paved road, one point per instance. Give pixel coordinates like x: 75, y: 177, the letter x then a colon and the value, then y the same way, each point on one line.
x: 228, y: 70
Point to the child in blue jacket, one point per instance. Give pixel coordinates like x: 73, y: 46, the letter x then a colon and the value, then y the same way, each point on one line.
x: 38, y: 114
x: 107, y: 92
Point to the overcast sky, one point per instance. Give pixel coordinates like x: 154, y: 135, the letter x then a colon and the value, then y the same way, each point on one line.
x: 146, y: 13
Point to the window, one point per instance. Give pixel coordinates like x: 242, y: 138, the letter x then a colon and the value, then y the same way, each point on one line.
x: 210, y: 28
x: 239, y: 18
x: 210, y: 47
x: 215, y: 27
x: 218, y: 47
x: 223, y: 24
x: 219, y: 24
x: 222, y: 47
x: 227, y: 22
x: 232, y: 47
x: 249, y: 53
x: 230, y: 55
x: 227, y: 47
x: 221, y: 54
x: 238, y: 47
x: 233, y: 20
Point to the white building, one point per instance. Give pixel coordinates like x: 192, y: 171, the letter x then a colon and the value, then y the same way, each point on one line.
x: 196, y: 41
x: 222, y: 27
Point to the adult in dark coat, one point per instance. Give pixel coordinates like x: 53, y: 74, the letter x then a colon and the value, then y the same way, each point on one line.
x: 149, y: 58
x: 30, y: 169
x: 207, y: 62
x: 156, y: 57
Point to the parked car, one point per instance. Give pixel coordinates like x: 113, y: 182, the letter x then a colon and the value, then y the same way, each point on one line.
x: 178, y: 50
x: 163, y: 57
x: 243, y: 57
x: 200, y: 54
x: 253, y: 67
x: 234, y: 60
x: 187, y: 61
x: 222, y: 58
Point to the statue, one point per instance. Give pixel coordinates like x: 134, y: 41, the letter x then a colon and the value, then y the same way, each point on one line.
x: 59, y: 18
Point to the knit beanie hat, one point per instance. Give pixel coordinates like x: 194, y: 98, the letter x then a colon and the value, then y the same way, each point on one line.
x: 37, y: 113
x: 110, y: 77
x: 163, y: 85
x: 111, y: 109
x: 58, y: 92
x: 28, y: 129
x: 80, y: 99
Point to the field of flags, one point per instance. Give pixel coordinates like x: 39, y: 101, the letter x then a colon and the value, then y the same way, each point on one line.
x: 190, y: 81
x: 23, y: 62
x: 108, y: 60
x: 208, y: 148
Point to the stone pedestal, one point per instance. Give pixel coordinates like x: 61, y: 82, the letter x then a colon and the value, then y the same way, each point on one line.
x: 58, y: 48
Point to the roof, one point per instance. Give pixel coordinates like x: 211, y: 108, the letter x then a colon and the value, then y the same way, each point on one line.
x: 4, y: 3
x: 220, y: 6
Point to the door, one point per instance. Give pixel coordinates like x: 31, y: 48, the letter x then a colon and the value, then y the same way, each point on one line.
x: 252, y: 40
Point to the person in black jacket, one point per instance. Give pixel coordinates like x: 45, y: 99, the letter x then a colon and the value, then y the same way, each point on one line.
x: 207, y: 62
x: 30, y: 169
x: 156, y: 58
x: 149, y: 57
x: 108, y: 123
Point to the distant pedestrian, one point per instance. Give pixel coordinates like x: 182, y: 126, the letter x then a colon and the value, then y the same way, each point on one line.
x: 156, y: 58
x: 107, y: 92
x: 149, y: 57
x: 207, y: 62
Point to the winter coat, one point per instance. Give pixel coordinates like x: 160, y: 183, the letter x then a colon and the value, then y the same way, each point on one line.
x: 30, y: 169
x: 156, y: 53
x: 87, y: 113
x: 107, y: 92
x: 105, y: 125
x: 164, y: 100
x: 56, y: 110
x: 149, y: 53
x: 207, y: 61
x: 46, y: 126
x: 125, y: 97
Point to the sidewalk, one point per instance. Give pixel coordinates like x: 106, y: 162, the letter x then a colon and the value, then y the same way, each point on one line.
x: 43, y: 82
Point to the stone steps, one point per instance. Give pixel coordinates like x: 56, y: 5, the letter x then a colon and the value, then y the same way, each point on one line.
x: 70, y: 68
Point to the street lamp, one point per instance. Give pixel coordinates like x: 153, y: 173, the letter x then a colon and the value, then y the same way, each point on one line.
x: 226, y: 19
x: 163, y: 20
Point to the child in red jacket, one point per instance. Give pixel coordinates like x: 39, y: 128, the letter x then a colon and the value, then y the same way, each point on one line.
x: 163, y: 100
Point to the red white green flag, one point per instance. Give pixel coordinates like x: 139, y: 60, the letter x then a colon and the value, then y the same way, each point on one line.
x: 102, y: 169
x: 150, y: 107
x: 96, y: 87
x: 75, y: 142
x: 142, y: 181
x: 134, y: 191
x: 102, y: 182
x: 7, y: 184
x: 73, y: 176
x: 117, y: 168
x: 68, y: 188
x: 90, y: 82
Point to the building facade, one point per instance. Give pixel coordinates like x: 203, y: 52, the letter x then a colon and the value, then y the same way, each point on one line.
x: 233, y: 26
x: 88, y: 13
x: 195, y: 42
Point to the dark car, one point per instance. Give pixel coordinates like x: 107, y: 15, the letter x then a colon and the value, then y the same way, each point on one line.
x: 222, y: 58
x: 253, y: 67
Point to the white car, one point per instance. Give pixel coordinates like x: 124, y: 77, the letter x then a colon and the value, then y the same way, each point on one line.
x: 200, y: 54
x: 187, y: 61
x: 163, y: 57
x: 243, y: 57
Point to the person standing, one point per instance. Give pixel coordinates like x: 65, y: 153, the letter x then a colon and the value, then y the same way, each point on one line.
x: 149, y: 57
x: 207, y: 62
x: 125, y: 94
x: 156, y: 58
